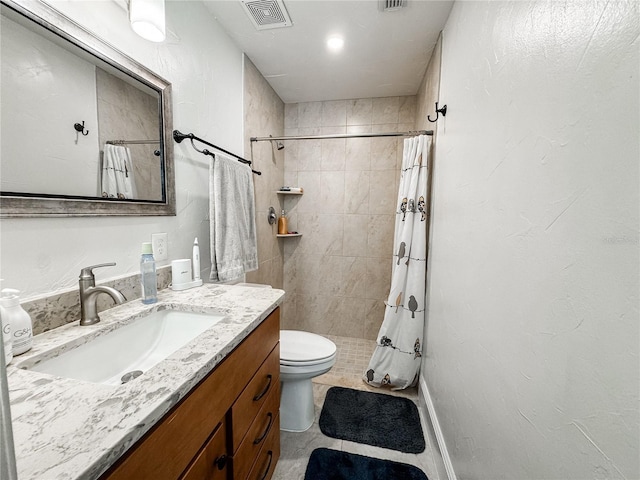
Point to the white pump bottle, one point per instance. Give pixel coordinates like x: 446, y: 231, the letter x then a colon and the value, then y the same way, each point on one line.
x: 19, y: 319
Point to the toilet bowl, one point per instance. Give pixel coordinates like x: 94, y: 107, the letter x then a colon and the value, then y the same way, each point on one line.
x: 303, y: 356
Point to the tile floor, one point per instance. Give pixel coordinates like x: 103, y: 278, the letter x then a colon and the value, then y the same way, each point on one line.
x: 352, y: 359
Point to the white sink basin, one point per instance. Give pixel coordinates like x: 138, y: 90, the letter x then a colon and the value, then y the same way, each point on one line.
x: 123, y: 354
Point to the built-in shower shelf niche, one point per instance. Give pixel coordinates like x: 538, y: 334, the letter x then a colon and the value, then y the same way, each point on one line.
x: 288, y: 235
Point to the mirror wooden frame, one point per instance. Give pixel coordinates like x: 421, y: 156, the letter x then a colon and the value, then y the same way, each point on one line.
x: 30, y: 205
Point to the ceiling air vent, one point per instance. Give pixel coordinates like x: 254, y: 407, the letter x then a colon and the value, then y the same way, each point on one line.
x: 391, y: 5
x: 265, y: 14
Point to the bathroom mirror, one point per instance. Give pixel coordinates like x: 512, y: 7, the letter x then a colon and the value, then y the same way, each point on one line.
x: 86, y: 130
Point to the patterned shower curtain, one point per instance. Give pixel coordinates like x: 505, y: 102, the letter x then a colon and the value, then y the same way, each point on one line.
x: 396, y: 360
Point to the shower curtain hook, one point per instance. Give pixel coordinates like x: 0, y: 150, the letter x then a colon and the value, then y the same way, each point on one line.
x: 439, y: 111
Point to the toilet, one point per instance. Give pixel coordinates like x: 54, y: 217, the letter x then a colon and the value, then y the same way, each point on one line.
x: 303, y: 356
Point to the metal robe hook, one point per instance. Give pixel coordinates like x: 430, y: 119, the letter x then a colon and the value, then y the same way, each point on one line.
x: 80, y: 128
x: 439, y: 111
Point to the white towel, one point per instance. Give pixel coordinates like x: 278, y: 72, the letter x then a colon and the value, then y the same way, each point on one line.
x: 117, y: 173
x: 234, y: 248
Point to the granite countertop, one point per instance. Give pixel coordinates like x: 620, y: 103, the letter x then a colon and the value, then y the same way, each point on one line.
x: 71, y: 429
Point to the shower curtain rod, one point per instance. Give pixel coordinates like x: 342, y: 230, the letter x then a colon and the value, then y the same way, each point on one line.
x: 131, y: 142
x: 343, y: 135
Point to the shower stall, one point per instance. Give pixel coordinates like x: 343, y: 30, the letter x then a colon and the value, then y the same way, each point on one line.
x: 347, y: 156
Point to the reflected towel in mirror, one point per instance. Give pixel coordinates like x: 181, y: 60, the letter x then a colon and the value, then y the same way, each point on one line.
x: 117, y: 173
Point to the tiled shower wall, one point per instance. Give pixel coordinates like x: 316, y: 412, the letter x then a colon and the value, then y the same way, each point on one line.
x: 127, y: 113
x: 264, y: 116
x: 337, y: 275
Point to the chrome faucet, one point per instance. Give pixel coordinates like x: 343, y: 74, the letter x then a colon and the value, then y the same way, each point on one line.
x: 89, y: 293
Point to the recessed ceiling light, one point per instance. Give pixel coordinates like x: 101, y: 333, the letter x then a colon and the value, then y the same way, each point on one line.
x: 335, y: 43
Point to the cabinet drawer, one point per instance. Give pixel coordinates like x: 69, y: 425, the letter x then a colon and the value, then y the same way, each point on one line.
x: 212, y: 461
x: 257, y: 435
x: 268, y: 456
x: 250, y: 401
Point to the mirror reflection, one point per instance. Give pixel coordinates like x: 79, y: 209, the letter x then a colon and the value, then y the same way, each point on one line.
x: 76, y: 125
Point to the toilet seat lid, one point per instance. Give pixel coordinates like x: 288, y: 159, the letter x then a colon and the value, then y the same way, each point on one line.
x: 298, y: 346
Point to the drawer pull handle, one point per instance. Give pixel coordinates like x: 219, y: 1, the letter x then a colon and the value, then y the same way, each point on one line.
x: 266, y: 472
x: 220, y: 462
x: 261, y: 437
x: 266, y: 389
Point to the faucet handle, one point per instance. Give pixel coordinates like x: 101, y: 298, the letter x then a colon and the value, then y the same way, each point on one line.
x: 87, y: 272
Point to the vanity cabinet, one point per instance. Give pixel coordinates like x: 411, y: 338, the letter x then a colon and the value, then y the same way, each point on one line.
x: 227, y: 427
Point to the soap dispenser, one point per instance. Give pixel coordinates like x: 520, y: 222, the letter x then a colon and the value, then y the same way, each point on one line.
x: 19, y: 319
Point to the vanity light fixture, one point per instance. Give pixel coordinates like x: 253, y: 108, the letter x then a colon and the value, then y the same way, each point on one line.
x: 335, y: 43
x: 147, y: 19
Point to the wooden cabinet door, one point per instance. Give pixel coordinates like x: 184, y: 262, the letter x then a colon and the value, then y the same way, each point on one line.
x: 212, y: 463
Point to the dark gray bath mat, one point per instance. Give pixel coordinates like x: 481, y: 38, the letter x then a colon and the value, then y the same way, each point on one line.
x: 372, y: 418
x: 326, y: 464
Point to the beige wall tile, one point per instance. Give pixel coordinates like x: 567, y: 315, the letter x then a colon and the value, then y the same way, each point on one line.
x: 340, y: 269
x: 378, y: 277
x: 355, y: 237
x: 310, y: 114
x: 384, y: 151
x: 359, y: 111
x: 334, y: 113
x: 333, y: 154
x: 407, y: 110
x: 309, y: 151
x: 358, y: 154
x: 321, y: 234
x: 288, y: 314
x: 356, y: 191
x: 291, y: 178
x: 380, y: 235
x: 309, y: 282
x: 386, y: 110
x: 356, y: 229
x: 354, y: 277
x: 291, y: 115
x: 310, y: 310
x: 382, y: 192
x: 264, y: 114
x: 290, y: 269
x: 343, y: 317
x: 291, y: 156
x: 332, y: 191
x: 311, y: 182
x: 373, y: 317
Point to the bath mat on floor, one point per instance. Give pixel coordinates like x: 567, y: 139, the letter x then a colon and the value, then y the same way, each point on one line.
x: 372, y: 418
x: 327, y: 464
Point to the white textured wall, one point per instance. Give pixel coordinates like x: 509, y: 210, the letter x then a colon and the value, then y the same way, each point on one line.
x: 532, y: 340
x: 45, y: 91
x: 43, y: 255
